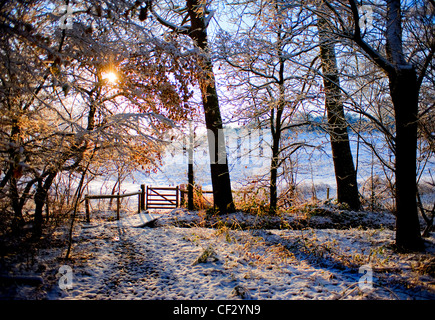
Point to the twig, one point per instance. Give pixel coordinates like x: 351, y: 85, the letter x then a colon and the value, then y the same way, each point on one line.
x: 429, y: 221
x: 76, y: 204
x: 343, y: 295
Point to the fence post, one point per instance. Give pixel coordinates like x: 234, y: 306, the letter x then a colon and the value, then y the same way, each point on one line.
x: 146, y: 197
x: 118, y: 204
x: 87, y: 209
x: 177, y: 196
x: 142, y: 197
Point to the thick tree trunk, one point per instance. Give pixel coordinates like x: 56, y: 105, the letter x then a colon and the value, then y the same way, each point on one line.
x: 190, y: 204
x: 220, y: 176
x: 190, y: 173
x: 345, y: 174
x: 404, y: 90
x: 404, y: 93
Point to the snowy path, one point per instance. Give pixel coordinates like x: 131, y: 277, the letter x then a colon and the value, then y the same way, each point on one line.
x: 116, y: 260
x: 123, y: 262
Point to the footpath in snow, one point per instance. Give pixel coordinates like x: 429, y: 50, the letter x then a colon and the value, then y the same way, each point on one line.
x: 185, y: 256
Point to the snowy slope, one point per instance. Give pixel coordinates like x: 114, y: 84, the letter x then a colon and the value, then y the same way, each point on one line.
x: 117, y: 260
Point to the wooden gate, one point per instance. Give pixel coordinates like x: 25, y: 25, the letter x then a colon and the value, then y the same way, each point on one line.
x: 162, y: 198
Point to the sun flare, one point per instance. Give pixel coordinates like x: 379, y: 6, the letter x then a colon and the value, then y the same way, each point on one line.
x: 110, y: 76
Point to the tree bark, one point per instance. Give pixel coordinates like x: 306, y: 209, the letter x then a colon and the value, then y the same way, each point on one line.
x: 404, y: 93
x: 345, y: 173
x: 17, y: 207
x: 274, y: 176
x: 220, y: 176
x: 276, y: 125
x: 190, y: 173
x: 276, y: 128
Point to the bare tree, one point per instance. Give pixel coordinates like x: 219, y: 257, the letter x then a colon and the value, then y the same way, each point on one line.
x: 268, y: 88
x: 345, y: 174
x: 195, y: 18
x: 405, y: 73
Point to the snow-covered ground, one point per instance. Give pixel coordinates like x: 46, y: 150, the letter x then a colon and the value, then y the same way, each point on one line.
x: 186, y: 256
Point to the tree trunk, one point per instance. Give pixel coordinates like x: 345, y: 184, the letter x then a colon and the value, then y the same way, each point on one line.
x: 345, y: 174
x: 190, y: 204
x: 15, y: 175
x: 404, y: 90
x: 276, y: 128
x: 404, y: 93
x: 273, y: 182
x: 17, y: 207
x: 220, y: 176
x: 40, y: 199
x: 190, y: 174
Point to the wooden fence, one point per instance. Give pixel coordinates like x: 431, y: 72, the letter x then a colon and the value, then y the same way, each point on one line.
x: 162, y: 198
x: 148, y: 198
x: 118, y: 197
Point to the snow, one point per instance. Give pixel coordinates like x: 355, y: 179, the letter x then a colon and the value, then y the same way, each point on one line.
x: 185, y: 256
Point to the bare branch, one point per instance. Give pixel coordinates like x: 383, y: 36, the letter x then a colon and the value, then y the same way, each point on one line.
x: 180, y: 30
x: 369, y: 50
x: 425, y: 65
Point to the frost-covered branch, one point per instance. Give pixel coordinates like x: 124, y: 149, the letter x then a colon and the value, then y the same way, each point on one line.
x: 178, y: 29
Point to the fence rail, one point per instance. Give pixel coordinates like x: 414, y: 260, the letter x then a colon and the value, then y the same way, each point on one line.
x: 118, y: 198
x: 148, y: 198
